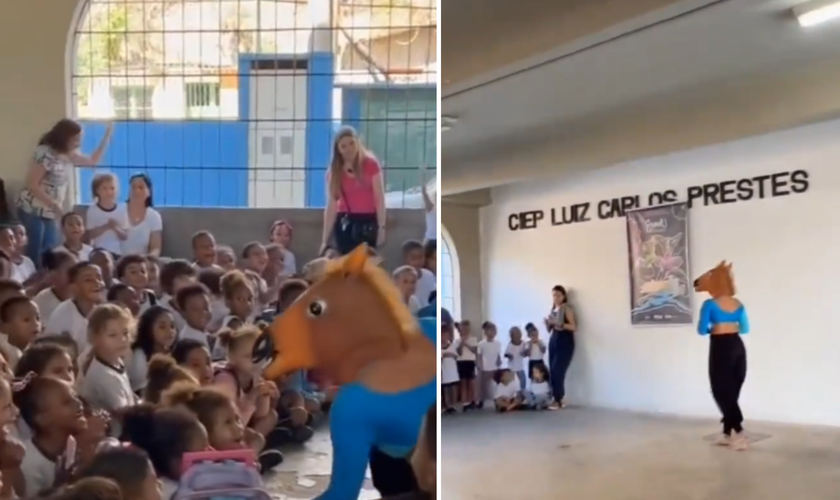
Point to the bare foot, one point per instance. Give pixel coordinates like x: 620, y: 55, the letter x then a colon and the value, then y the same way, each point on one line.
x: 723, y: 440
x: 739, y: 442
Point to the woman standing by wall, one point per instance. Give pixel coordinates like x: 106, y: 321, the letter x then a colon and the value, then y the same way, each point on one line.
x: 561, y: 323
x: 355, y: 211
x: 145, y: 225
x: 41, y: 202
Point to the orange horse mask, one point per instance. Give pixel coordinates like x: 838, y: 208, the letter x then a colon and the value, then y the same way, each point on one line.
x: 717, y: 281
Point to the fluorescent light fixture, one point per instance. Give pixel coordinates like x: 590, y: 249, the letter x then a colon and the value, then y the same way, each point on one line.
x: 817, y: 12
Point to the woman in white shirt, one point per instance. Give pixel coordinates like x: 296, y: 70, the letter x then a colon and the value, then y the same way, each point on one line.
x: 145, y: 225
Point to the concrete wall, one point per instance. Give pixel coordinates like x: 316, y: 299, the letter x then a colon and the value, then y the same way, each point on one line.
x: 785, y: 261
x: 236, y: 227
x: 462, y: 225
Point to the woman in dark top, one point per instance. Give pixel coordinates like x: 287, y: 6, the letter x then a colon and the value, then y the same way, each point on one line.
x: 561, y: 323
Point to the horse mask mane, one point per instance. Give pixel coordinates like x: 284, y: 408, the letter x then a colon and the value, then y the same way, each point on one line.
x: 353, y: 306
x: 717, y: 281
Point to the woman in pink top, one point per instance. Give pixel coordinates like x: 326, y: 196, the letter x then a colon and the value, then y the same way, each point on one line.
x: 355, y: 212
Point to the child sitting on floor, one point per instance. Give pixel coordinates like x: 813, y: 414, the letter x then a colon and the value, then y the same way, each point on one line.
x: 508, y: 396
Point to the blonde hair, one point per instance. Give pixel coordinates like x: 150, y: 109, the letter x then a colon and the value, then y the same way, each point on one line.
x: 102, y: 315
x: 232, y: 281
x: 337, y: 162
x: 233, y: 339
x: 97, y: 320
x: 404, y: 269
x: 314, y: 269
x: 99, y: 180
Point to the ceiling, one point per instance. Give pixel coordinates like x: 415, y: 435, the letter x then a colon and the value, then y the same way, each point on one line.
x: 690, y: 55
x: 508, y: 32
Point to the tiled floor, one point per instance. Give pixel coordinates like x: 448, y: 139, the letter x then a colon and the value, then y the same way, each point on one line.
x: 582, y: 454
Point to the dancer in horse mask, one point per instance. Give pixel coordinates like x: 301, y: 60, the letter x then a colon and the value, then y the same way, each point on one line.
x: 724, y: 319
x: 353, y: 326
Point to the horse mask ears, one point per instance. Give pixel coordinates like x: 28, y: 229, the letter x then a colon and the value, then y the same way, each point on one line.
x: 354, y: 262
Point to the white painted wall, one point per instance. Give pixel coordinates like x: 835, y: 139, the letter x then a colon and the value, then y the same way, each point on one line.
x: 786, y: 264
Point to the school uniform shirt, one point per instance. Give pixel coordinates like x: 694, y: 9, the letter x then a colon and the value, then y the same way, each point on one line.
x: 68, y: 319
x: 189, y: 332
x: 39, y: 472
x: 23, y: 270
x: 426, y: 284
x: 47, y: 302
x: 535, y: 351
x: 168, y: 302
x: 413, y: 305
x: 515, y: 360
x: 466, y: 354
x: 262, y: 288
x: 13, y: 352
x: 83, y: 255
x: 540, y: 388
x: 490, y: 351
x: 449, y: 366
x: 138, y: 369
x: 106, y: 387
x: 289, y: 263
x: 147, y: 299
x: 218, y: 312
x: 509, y: 390
x: 97, y: 216
x: 138, y: 237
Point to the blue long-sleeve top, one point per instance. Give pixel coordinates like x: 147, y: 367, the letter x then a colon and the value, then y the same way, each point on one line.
x: 711, y: 314
x: 361, y: 419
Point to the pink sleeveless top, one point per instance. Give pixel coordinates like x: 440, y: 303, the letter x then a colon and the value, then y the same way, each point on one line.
x: 358, y: 196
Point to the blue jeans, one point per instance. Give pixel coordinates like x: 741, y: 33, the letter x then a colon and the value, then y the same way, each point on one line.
x: 561, y: 348
x: 43, y: 235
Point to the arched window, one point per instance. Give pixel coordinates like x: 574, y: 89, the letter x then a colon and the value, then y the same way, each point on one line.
x: 235, y: 102
x: 450, y: 286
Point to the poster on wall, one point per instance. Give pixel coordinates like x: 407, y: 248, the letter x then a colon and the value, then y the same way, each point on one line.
x: 660, y: 290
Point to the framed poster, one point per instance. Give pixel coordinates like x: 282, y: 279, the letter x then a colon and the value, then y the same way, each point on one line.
x: 657, y: 251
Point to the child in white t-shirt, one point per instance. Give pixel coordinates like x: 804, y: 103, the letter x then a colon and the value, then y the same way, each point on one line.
x: 466, y: 346
x: 534, y: 347
x: 132, y: 270
x: 449, y: 377
x: 405, y: 277
x: 238, y: 295
x: 414, y: 255
x: 107, y: 219
x: 507, y: 395
x: 21, y: 324
x: 104, y: 383
x: 514, y: 353
x: 281, y: 234
x: 538, y: 395
x: 489, y: 361
x: 175, y: 275
x: 71, y: 316
x: 57, y: 264
x: 50, y: 408
x: 194, y: 303
x: 73, y: 229
x: 24, y: 267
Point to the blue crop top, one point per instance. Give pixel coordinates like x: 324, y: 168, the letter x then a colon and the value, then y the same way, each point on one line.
x: 711, y: 314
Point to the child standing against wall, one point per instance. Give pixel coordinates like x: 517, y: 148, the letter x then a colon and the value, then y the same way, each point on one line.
x: 489, y: 361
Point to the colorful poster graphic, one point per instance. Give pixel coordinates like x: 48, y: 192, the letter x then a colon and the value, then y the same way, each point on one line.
x: 660, y: 291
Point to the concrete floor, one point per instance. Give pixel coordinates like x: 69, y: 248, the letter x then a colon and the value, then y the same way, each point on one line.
x: 583, y: 454
x: 305, y: 472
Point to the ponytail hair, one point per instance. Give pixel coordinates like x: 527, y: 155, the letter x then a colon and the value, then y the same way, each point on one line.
x: 162, y: 373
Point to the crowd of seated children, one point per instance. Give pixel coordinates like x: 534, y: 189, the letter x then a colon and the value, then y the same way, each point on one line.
x: 153, y: 354
x: 473, y: 371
